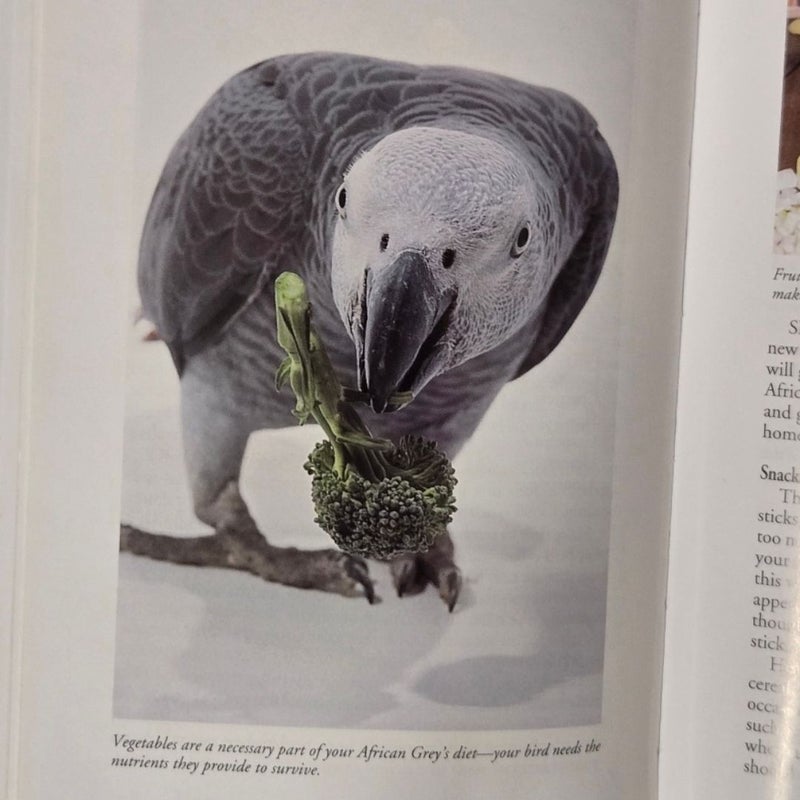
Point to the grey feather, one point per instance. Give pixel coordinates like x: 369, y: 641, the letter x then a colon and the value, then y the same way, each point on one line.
x: 247, y: 191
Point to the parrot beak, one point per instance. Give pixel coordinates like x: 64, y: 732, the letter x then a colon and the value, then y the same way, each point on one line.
x: 404, y: 316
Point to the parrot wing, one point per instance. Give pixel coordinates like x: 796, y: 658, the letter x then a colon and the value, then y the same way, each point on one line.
x: 247, y: 190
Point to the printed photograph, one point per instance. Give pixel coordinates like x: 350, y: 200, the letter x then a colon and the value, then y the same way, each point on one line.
x: 368, y: 471
x: 787, y: 207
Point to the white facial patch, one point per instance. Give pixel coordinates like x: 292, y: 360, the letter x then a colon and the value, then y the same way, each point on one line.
x: 452, y: 182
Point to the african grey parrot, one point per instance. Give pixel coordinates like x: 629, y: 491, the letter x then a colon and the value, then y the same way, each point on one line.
x: 450, y: 225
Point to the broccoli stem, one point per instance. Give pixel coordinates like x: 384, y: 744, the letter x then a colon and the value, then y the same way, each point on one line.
x: 318, y: 391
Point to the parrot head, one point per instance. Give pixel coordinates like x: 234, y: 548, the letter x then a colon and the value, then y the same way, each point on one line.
x: 438, y: 255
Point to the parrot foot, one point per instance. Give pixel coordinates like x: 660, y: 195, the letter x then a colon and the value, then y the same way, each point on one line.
x: 413, y: 572
x: 246, y: 549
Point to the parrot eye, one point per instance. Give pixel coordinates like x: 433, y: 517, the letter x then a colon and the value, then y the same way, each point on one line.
x: 384, y: 241
x: 448, y: 258
x: 522, y: 241
x: 341, y: 200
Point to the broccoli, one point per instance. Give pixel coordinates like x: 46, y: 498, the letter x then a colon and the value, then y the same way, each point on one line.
x: 373, y: 498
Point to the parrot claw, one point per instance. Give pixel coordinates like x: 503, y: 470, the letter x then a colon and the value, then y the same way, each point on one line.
x: 407, y: 578
x: 450, y: 586
x: 412, y: 572
x: 356, y: 568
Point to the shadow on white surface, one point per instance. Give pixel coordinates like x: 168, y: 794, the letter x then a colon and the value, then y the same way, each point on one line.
x: 523, y: 649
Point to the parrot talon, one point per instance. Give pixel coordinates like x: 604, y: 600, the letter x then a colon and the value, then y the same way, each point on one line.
x: 450, y: 586
x: 412, y: 572
x: 401, y: 569
x: 407, y: 576
x: 356, y: 568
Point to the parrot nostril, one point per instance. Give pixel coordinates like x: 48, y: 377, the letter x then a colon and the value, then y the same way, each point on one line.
x: 448, y: 258
x: 384, y: 241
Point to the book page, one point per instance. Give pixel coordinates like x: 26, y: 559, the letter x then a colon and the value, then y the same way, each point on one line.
x: 730, y: 703
x: 17, y: 114
x: 144, y: 677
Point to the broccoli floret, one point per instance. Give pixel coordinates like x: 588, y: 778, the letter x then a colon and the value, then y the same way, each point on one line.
x: 372, y: 497
x: 401, y: 513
